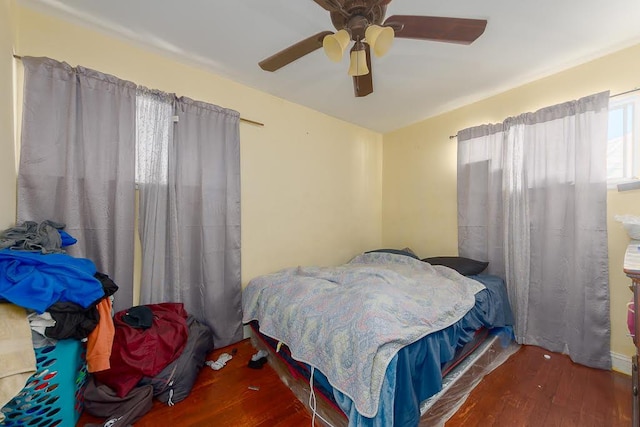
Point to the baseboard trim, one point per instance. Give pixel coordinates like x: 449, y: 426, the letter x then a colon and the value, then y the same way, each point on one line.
x: 621, y: 363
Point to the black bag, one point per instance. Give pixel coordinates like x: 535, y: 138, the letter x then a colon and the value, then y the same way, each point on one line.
x: 103, y: 402
x: 175, y: 381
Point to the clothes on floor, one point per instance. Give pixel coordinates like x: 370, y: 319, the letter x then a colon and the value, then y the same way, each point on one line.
x: 137, y: 353
x: 119, y: 411
x: 175, y: 381
x: 138, y: 317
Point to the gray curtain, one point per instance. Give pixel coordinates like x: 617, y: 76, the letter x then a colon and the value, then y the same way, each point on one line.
x: 532, y: 201
x: 190, y: 213
x: 77, y: 162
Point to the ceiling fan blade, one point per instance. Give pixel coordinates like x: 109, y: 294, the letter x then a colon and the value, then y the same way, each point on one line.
x: 329, y: 5
x: 436, y: 28
x: 293, y: 52
x: 363, y: 85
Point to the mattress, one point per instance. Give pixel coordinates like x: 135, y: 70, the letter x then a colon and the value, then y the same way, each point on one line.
x: 486, y: 353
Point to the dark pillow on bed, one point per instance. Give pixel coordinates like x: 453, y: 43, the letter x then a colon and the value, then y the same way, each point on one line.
x: 405, y: 252
x: 464, y: 266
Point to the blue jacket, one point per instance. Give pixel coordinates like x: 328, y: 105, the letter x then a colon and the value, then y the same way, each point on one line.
x: 36, y: 281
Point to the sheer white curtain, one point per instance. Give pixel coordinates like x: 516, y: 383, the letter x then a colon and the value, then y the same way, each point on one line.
x: 77, y: 162
x: 189, y: 188
x: 532, y: 201
x: 157, y: 210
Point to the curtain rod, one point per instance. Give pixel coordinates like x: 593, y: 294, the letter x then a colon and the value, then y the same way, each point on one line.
x: 251, y: 122
x: 610, y: 96
x: 625, y: 92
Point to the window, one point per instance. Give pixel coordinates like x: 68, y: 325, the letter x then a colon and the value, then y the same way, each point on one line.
x: 623, y: 151
x: 154, y: 122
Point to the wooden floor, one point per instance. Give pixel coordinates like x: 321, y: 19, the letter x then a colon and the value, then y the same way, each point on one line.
x: 527, y: 390
x: 531, y: 390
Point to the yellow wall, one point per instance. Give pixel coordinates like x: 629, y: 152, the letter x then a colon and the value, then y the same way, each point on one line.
x: 311, y: 184
x: 7, y: 151
x: 419, y: 188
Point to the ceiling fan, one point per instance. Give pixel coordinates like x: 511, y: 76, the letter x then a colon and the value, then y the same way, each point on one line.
x: 362, y: 21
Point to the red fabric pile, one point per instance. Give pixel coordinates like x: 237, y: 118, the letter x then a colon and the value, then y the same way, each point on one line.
x: 137, y: 352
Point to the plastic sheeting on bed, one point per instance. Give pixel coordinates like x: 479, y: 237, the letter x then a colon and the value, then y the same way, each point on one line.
x: 460, y: 381
x: 435, y: 411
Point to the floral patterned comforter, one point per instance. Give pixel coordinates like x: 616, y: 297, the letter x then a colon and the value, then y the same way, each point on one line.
x: 349, y: 321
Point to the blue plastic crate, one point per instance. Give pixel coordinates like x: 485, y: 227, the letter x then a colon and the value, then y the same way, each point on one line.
x: 53, y: 396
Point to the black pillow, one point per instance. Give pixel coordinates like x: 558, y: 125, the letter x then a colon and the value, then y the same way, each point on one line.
x: 405, y: 251
x: 464, y: 266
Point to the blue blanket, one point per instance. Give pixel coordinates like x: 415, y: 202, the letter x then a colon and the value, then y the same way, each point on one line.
x: 414, y: 375
x: 36, y: 281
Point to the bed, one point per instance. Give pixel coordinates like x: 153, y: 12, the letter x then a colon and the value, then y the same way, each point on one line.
x: 383, y: 340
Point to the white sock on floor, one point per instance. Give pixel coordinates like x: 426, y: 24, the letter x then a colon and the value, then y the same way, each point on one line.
x: 259, y: 355
x: 219, y: 364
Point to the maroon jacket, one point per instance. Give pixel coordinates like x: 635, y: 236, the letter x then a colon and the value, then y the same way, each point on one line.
x: 138, y: 353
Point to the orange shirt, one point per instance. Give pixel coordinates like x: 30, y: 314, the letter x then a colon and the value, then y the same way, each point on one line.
x: 100, y: 340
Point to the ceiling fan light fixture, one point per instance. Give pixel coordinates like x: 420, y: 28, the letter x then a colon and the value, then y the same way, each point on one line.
x: 358, y: 63
x: 364, y: 22
x: 334, y: 45
x: 379, y: 38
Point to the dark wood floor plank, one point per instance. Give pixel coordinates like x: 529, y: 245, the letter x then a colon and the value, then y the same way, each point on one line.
x: 548, y: 381
x: 527, y: 390
x: 554, y: 417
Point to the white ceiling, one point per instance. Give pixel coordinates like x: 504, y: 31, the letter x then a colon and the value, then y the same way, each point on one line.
x: 523, y: 41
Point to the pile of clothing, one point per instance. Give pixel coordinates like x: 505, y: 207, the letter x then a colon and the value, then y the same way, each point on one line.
x: 134, y: 355
x: 157, y: 351
x: 61, y: 296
